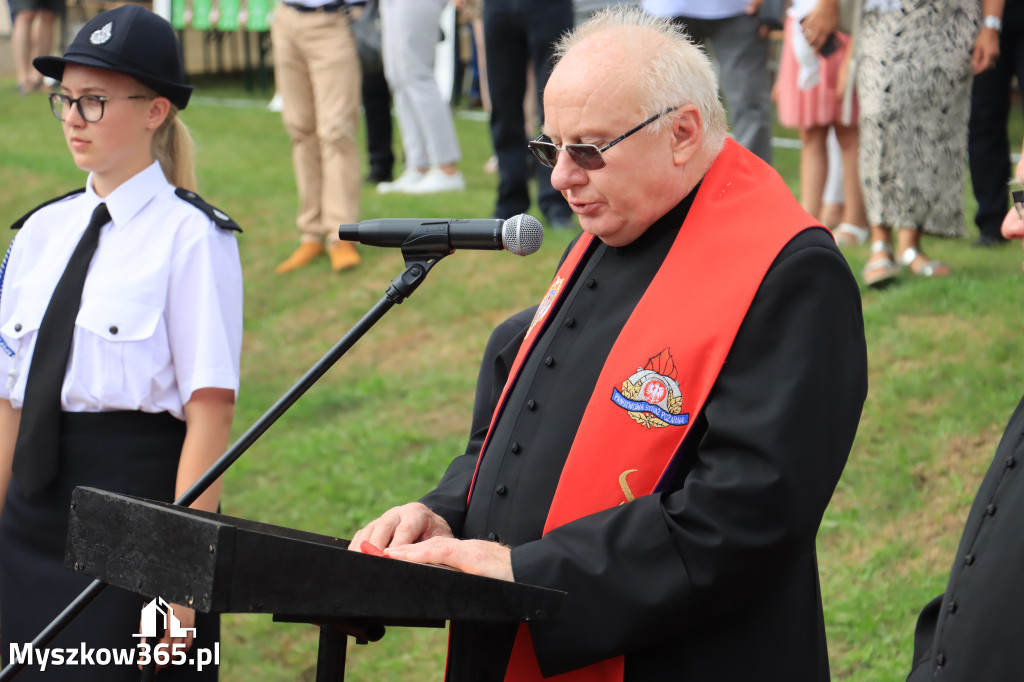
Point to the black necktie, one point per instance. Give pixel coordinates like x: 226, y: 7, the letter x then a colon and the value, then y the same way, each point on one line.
x: 35, y: 453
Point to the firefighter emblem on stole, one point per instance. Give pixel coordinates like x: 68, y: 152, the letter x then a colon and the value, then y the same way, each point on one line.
x: 651, y: 396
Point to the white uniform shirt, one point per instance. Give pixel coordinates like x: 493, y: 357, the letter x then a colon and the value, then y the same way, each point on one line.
x: 161, y: 311
x: 696, y: 9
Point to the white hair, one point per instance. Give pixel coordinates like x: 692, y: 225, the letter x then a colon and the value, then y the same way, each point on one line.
x: 677, y: 73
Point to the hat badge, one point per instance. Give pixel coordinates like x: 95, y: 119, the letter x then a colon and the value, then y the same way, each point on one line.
x: 102, y: 35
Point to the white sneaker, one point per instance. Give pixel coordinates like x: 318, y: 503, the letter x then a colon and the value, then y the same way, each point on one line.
x: 408, y: 178
x: 436, y: 180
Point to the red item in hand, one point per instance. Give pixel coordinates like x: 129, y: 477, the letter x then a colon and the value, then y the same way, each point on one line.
x: 373, y: 550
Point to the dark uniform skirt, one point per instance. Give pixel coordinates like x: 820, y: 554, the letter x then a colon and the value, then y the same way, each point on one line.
x: 135, y: 453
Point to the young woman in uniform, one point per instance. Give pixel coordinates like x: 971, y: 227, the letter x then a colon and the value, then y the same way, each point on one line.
x: 125, y: 382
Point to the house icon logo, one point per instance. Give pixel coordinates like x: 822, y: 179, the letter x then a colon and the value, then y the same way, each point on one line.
x: 158, y: 611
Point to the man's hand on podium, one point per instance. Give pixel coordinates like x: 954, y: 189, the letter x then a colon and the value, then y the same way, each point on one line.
x: 414, y: 533
x: 479, y: 557
x: 413, y: 522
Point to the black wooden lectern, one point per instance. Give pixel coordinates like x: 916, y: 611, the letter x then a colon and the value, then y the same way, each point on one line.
x: 217, y: 563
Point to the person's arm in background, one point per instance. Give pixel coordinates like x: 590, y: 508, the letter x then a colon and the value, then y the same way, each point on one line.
x: 986, y: 45
x: 822, y: 22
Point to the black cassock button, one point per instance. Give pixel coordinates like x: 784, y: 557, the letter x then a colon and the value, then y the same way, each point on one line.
x: 501, y: 490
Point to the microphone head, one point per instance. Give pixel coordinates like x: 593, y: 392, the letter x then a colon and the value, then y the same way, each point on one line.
x: 522, y: 234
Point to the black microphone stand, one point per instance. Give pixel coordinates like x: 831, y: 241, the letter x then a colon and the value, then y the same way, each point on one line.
x: 419, y: 257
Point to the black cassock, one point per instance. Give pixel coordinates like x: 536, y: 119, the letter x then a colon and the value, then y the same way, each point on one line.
x: 715, y: 578
x: 975, y: 630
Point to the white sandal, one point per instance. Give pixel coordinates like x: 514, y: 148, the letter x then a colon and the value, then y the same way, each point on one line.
x: 848, y: 234
x: 929, y: 269
x: 882, y: 270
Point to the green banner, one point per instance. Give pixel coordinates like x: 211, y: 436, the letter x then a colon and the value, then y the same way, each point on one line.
x: 201, y: 10
x: 259, y: 13
x: 228, y: 19
x: 223, y: 15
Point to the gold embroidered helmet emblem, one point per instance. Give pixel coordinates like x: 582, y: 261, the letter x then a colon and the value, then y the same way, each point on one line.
x: 651, y: 396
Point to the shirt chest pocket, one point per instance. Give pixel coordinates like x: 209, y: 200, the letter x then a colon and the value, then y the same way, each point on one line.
x: 24, y: 323
x: 121, y: 347
x: 19, y: 333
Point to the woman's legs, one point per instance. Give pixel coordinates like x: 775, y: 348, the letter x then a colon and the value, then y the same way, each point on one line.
x: 834, y: 197
x: 914, y: 258
x: 813, y: 168
x: 880, y: 267
x: 21, y: 46
x: 853, y: 204
x: 42, y: 42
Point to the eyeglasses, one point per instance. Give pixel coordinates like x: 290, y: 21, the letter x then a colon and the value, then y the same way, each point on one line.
x: 90, y: 107
x: 586, y: 156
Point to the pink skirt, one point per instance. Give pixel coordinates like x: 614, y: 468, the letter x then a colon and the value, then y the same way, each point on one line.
x: 822, y: 105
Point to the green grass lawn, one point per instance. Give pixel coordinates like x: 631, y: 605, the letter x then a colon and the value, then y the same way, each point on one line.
x: 380, y: 427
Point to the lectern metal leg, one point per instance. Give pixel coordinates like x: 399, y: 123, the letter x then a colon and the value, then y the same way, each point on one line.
x: 330, y: 659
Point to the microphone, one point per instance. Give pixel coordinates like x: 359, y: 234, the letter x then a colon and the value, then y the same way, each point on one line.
x: 521, y: 234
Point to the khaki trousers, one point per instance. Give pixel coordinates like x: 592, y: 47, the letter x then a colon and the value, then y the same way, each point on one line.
x: 316, y: 71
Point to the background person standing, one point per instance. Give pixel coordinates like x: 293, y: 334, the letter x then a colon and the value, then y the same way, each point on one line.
x: 409, y: 33
x: 316, y: 71
x: 732, y: 31
x: 31, y: 37
x: 520, y: 34
x: 988, y: 147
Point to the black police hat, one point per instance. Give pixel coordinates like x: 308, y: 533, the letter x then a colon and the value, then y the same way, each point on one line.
x: 131, y: 40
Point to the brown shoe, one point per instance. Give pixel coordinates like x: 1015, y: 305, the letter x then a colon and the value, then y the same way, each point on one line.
x: 343, y: 256
x: 303, y: 255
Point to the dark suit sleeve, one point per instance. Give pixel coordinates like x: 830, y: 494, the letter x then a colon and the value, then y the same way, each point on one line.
x: 448, y: 499
x: 758, y: 471
x: 924, y: 636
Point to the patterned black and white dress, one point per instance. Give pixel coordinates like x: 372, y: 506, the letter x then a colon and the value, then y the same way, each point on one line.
x: 913, y: 88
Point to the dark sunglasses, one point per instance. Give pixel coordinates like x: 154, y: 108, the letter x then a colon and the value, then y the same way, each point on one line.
x: 586, y: 156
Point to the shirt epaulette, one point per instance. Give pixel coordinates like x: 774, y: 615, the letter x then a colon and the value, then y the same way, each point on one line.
x: 222, y: 219
x: 17, y: 224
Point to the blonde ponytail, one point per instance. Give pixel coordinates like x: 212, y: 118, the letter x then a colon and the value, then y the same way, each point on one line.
x: 172, y: 147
